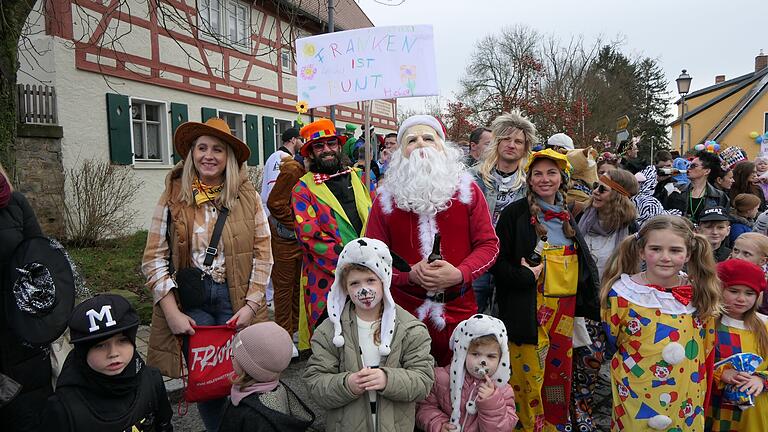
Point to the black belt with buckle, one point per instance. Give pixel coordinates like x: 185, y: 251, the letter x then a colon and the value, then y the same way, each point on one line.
x: 438, y: 297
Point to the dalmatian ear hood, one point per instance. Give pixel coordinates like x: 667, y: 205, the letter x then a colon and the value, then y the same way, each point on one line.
x: 375, y: 255
x: 468, y: 330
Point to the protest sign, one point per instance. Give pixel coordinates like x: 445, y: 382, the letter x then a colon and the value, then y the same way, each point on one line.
x: 366, y: 64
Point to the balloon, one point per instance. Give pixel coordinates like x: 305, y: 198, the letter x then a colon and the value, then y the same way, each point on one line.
x: 759, y: 140
x: 698, y: 147
x: 710, y: 148
x: 717, y: 147
x: 754, y: 134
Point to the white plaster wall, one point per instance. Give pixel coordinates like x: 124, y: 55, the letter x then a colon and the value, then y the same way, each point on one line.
x: 82, y: 114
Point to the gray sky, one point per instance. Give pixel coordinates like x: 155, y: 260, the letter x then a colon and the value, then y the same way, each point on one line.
x: 718, y: 37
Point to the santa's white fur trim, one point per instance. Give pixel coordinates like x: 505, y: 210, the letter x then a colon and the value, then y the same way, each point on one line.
x: 465, y: 188
x: 432, y: 310
x: 386, y: 200
x: 427, y: 231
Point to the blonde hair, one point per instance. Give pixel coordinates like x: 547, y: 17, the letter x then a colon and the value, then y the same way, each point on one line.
x: 228, y: 195
x: 5, y: 174
x: 343, y: 275
x: 534, y: 207
x: 701, y: 265
x: 503, y: 126
x: 484, y: 340
x: 619, y: 211
x: 760, y: 241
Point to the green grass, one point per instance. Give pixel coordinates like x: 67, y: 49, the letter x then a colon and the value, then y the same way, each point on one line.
x: 115, y: 266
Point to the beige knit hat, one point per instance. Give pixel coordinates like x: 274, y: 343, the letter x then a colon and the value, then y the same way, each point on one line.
x: 263, y: 351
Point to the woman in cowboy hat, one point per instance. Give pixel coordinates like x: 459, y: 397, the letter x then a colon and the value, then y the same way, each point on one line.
x: 545, y: 277
x: 194, y: 280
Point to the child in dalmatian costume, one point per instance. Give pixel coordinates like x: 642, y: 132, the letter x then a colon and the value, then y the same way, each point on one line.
x: 473, y: 393
x: 370, y: 360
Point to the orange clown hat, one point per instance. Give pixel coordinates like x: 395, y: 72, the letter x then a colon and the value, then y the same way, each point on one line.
x: 320, y: 130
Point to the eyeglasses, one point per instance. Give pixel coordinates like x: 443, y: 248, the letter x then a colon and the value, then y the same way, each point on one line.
x: 332, y: 144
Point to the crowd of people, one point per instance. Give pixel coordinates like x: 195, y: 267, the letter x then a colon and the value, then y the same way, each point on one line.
x: 430, y: 289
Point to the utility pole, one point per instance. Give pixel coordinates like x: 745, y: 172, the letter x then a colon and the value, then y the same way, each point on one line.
x: 330, y: 30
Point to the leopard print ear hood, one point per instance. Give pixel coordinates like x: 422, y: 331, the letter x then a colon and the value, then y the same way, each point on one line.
x: 468, y: 330
x: 375, y: 255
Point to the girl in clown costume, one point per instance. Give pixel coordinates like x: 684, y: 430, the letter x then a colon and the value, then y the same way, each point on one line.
x: 660, y: 326
x: 738, y: 403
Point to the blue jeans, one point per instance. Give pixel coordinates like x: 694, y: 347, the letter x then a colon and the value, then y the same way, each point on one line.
x: 483, y: 288
x: 216, y: 310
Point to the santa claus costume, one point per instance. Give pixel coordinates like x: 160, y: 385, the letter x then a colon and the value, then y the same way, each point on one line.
x: 428, y: 191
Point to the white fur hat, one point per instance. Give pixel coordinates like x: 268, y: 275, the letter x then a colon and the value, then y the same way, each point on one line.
x: 561, y: 140
x: 421, y: 119
x: 375, y: 255
x: 468, y: 330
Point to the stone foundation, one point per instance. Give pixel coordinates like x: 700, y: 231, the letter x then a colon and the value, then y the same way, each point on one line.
x: 40, y: 174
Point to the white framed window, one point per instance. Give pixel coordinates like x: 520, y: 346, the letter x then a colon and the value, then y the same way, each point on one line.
x: 234, y: 121
x: 149, y: 131
x: 225, y: 20
x: 286, y: 60
x: 280, y: 127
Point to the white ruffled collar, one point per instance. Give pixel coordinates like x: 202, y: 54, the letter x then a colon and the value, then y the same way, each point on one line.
x: 739, y: 324
x: 651, y: 298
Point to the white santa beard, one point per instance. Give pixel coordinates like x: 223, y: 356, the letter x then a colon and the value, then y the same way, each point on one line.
x: 425, y: 182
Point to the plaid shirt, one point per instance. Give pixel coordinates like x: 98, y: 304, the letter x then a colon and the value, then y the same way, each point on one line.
x: 157, y: 254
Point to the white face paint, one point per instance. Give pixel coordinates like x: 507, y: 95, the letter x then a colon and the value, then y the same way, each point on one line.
x: 365, y: 289
x: 483, y: 359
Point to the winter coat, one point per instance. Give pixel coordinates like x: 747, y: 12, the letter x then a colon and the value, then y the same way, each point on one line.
x: 238, y: 238
x: 29, y: 366
x: 497, y: 413
x: 680, y: 200
x: 79, y: 404
x: 253, y: 416
x: 515, y: 284
x: 409, y: 369
x: 739, y: 226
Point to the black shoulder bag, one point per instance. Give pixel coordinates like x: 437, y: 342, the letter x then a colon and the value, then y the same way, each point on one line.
x: 190, y: 281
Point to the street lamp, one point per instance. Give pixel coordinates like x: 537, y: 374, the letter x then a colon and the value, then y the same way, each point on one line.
x: 683, y: 86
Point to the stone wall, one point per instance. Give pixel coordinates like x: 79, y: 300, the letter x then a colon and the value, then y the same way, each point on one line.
x: 40, y: 174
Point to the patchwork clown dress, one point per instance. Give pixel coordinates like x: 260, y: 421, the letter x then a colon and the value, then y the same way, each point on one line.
x: 663, y: 358
x: 734, y: 340
x: 323, y: 227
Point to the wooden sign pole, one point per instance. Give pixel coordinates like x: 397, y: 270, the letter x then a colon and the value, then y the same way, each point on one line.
x: 368, y: 143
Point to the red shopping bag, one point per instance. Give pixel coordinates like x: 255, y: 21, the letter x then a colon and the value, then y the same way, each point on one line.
x: 209, y: 363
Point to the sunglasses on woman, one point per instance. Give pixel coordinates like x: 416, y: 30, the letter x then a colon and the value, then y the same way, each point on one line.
x: 601, y: 188
x: 332, y: 144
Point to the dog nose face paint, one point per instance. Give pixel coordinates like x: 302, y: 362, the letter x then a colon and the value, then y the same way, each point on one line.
x: 483, y: 360
x: 365, y: 289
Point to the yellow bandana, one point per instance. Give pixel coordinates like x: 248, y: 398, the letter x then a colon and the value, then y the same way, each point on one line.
x: 204, y: 193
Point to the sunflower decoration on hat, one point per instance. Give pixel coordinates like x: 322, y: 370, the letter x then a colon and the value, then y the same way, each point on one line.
x: 319, y: 131
x: 302, y: 107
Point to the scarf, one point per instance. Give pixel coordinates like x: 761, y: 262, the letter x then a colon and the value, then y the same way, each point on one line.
x: 204, y: 193
x: 321, y: 178
x: 590, y: 225
x: 5, y: 191
x: 238, y: 393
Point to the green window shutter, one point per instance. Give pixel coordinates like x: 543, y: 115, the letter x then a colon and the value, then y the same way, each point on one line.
x: 119, y: 126
x: 179, y: 115
x: 268, y: 126
x: 252, y: 138
x: 207, y: 113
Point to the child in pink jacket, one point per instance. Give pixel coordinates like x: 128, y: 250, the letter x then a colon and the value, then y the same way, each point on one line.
x: 473, y: 393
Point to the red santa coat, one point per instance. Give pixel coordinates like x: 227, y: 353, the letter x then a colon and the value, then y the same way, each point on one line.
x: 468, y: 242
